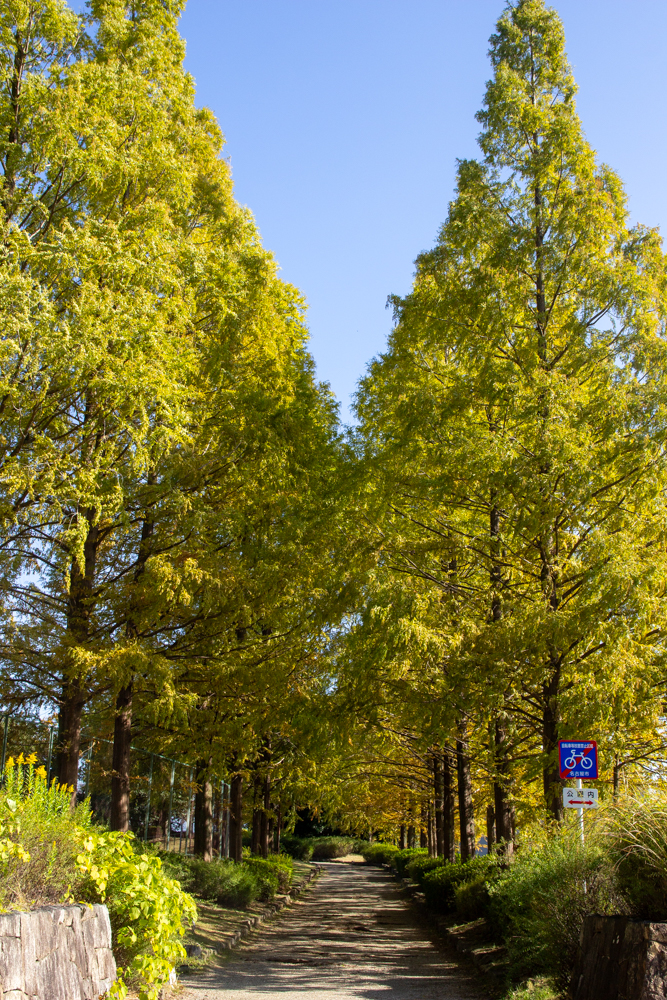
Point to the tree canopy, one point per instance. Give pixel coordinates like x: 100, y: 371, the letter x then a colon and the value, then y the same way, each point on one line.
x: 393, y: 626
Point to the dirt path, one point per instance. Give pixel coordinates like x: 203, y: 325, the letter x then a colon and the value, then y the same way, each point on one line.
x: 351, y: 937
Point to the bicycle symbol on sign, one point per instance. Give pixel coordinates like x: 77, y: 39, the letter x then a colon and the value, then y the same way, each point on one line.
x: 585, y: 762
x: 578, y: 759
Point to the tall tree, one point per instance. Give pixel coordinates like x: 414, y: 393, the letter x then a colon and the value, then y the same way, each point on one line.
x: 522, y: 390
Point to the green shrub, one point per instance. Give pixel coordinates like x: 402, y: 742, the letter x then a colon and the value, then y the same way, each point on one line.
x: 535, y: 989
x: 379, y: 854
x: 471, y: 898
x: 220, y: 880
x: 401, y: 859
x: 319, y: 848
x: 358, y: 845
x: 439, y: 886
x: 227, y: 883
x: 299, y: 848
x: 326, y: 848
x: 634, y: 833
x: 537, y: 905
x: 40, y: 838
x: 420, y: 866
x: 147, y: 909
x: 50, y: 853
x: 273, y: 874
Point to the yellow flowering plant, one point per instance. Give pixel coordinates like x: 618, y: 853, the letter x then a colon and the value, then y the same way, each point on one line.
x: 51, y: 852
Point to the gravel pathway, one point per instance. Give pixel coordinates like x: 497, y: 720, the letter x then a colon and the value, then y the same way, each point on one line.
x: 351, y: 937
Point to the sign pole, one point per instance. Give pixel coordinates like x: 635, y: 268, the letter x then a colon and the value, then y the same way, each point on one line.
x: 580, y: 812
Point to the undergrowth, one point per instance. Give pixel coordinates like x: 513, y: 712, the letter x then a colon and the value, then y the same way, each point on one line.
x: 51, y: 853
x: 230, y: 884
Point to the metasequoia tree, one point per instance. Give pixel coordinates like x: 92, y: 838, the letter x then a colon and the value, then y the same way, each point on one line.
x: 515, y: 423
x: 167, y: 451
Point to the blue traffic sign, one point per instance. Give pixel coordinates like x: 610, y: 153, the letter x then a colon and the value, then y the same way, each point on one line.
x: 578, y: 759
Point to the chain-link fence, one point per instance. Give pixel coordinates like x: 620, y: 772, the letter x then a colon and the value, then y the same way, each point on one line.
x: 162, y: 789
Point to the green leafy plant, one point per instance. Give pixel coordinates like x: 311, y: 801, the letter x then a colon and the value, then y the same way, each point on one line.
x: 228, y: 883
x: 52, y: 853
x: 402, y: 859
x: 440, y: 884
x: 146, y: 907
x: 418, y: 867
x: 40, y: 836
x: 300, y: 848
x: 537, y: 905
x: 634, y: 833
x: 379, y: 854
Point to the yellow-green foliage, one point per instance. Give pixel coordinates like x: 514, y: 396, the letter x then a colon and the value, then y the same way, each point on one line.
x: 40, y: 836
x: 147, y: 908
x: 51, y: 853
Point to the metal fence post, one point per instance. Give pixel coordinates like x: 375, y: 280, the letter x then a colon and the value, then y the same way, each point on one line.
x: 148, y: 800
x: 222, y: 818
x: 4, y: 748
x: 187, y: 827
x: 90, y: 763
x: 171, y: 799
x: 48, y: 760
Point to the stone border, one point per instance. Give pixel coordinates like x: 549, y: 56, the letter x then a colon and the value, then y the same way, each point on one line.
x: 486, y: 956
x: 271, y: 908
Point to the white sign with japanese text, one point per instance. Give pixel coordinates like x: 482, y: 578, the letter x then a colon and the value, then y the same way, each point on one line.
x: 580, y: 798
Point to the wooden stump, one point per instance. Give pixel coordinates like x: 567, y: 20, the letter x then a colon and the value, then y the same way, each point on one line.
x: 621, y: 959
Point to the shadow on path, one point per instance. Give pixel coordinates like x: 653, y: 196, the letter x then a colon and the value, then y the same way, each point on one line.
x: 351, y: 937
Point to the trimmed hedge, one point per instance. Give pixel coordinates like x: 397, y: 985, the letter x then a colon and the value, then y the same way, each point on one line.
x: 379, y: 854
x: 441, y: 885
x: 230, y: 884
x: 402, y: 859
x: 318, y: 848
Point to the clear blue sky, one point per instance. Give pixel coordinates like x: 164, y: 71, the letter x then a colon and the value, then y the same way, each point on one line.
x: 344, y: 119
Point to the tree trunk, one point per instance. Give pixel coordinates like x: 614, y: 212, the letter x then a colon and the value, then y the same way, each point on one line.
x: 423, y: 837
x: 402, y: 842
x: 69, y: 735
x: 203, y: 846
x: 224, y: 821
x: 490, y: 828
x: 120, y: 774
x: 617, y: 778
x: 439, y: 794
x: 412, y: 838
x: 448, y: 807
x: 466, y: 816
x: 430, y: 827
x: 73, y: 697
x: 236, y: 819
x: 550, y: 724
x: 278, y: 829
x: 255, y: 835
x: 502, y: 802
x: 120, y: 778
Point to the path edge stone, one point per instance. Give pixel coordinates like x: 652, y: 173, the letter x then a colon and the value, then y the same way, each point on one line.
x: 274, y: 907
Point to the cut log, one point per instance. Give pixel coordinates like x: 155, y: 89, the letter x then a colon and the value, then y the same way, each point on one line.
x: 621, y: 959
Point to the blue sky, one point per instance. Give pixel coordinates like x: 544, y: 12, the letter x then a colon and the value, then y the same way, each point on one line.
x: 344, y: 120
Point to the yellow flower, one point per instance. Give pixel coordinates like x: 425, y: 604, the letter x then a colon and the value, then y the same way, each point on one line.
x: 41, y: 771
x: 19, y: 759
x: 10, y: 763
x: 32, y: 759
